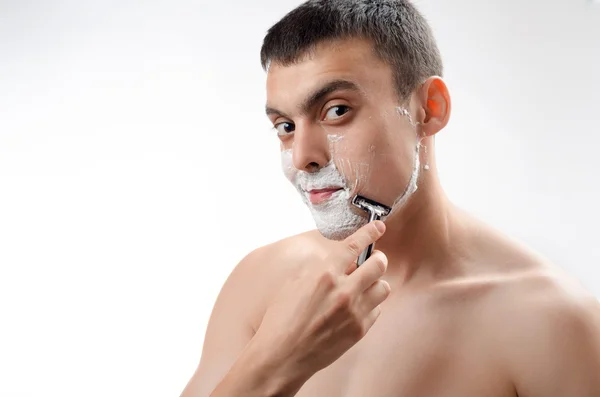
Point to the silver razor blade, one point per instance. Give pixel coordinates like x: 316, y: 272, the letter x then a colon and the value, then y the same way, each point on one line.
x: 376, y: 211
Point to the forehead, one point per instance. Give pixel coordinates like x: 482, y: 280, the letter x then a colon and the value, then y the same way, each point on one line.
x: 350, y: 59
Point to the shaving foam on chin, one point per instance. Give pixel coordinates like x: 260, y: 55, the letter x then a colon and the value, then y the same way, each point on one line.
x: 335, y: 218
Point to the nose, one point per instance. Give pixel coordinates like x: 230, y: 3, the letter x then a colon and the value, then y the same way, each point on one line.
x: 310, y: 149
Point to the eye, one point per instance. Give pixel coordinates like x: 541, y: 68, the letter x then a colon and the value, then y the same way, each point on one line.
x: 284, y: 128
x: 335, y: 112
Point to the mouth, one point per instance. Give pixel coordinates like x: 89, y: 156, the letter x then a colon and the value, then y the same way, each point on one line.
x: 319, y: 196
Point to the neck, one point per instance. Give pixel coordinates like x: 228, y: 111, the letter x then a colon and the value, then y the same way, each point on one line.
x: 423, y: 237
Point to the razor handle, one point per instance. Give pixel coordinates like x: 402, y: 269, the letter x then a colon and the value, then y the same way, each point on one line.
x: 366, y: 254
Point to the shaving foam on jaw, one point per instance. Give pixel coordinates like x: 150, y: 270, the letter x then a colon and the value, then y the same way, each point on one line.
x: 335, y: 218
x: 412, y: 185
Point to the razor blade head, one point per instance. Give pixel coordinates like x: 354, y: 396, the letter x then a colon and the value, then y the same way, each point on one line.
x: 371, y: 206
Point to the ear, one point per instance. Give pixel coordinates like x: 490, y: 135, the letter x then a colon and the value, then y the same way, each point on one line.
x: 435, y: 105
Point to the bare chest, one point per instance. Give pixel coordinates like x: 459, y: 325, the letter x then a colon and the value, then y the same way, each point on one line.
x: 411, y: 354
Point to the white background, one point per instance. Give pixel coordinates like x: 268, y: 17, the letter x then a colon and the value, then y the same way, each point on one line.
x: 137, y: 168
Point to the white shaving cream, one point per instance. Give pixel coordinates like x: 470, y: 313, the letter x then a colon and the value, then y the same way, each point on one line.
x: 334, y: 138
x: 412, y: 186
x: 337, y: 218
x: 412, y: 183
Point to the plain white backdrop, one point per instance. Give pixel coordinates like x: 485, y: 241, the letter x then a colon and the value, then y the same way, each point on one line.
x: 137, y: 168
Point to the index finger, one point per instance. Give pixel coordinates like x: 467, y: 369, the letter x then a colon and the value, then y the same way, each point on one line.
x: 356, y: 243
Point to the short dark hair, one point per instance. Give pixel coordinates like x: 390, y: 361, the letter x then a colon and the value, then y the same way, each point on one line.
x: 400, y: 35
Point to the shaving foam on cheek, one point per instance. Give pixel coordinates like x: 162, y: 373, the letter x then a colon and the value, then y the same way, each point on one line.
x: 412, y: 185
x: 360, y: 172
x: 286, y: 164
x: 404, y: 112
x: 357, y: 172
x: 335, y: 218
x: 334, y: 138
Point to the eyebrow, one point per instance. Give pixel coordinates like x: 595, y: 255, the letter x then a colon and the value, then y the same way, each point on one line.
x: 318, y: 95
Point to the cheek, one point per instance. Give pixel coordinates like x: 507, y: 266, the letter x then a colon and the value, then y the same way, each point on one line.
x: 287, y: 166
x: 352, y: 151
x: 379, y: 168
x: 353, y: 160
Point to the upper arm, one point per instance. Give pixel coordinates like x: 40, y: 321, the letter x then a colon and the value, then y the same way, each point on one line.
x: 229, y: 328
x: 558, y: 348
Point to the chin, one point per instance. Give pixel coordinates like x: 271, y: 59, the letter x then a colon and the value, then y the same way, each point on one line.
x: 337, y: 218
x: 339, y: 233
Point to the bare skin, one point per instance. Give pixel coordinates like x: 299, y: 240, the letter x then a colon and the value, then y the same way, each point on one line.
x: 446, y: 306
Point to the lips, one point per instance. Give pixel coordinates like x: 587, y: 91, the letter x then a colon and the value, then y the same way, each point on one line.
x: 318, y: 196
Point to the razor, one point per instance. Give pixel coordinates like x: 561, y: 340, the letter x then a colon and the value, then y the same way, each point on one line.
x: 376, y: 211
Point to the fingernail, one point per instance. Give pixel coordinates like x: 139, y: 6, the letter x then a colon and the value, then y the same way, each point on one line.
x: 380, y: 226
x: 386, y: 285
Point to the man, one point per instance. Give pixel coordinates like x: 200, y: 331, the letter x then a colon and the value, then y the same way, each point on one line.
x: 445, y: 306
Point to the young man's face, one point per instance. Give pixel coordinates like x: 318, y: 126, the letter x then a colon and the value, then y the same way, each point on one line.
x: 343, y: 132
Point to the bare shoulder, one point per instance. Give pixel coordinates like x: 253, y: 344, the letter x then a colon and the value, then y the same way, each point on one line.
x: 539, y: 325
x: 240, y: 305
x: 548, y: 334
x: 528, y: 290
x: 545, y: 297
x: 514, y: 279
x: 529, y: 293
x: 282, y: 258
x: 538, y: 320
x: 263, y: 271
